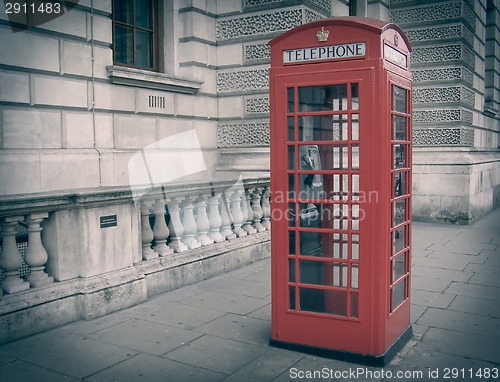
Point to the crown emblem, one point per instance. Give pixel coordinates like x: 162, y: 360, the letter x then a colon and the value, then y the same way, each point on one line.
x: 322, y: 35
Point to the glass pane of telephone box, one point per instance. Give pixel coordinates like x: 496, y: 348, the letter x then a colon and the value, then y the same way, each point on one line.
x: 398, y: 267
x: 291, y: 129
x: 355, y: 127
x: 291, y: 186
x: 354, y: 305
x: 399, y: 184
x: 323, y: 98
x: 323, y: 157
x: 291, y: 242
x: 290, y: 100
x: 310, y: 244
x: 399, y: 212
x: 398, y: 294
x: 354, y: 276
x: 399, y: 101
x: 399, y: 133
x: 291, y: 270
x: 323, y: 128
x: 355, y: 157
x: 291, y: 157
x: 323, y: 301
x: 315, y: 186
x: 355, y: 247
x: 355, y: 187
x: 291, y: 293
x: 291, y: 214
x: 399, y: 239
x: 399, y: 152
x: 354, y: 96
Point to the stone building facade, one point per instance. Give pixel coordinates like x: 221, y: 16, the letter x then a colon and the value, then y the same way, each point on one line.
x: 129, y: 167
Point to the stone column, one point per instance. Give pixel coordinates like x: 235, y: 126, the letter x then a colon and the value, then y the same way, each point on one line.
x: 10, y: 258
x: 215, y: 219
x: 225, y: 214
x: 160, y: 229
x: 257, y: 210
x: 247, y: 225
x: 189, y: 223
x: 266, y: 208
x: 36, y: 255
x: 147, y: 234
x: 202, y: 222
x: 236, y: 213
x: 175, y: 225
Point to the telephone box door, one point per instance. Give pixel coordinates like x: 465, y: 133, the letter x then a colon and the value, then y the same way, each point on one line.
x: 320, y: 175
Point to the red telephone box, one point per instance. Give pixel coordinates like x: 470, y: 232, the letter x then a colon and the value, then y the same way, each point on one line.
x: 340, y: 92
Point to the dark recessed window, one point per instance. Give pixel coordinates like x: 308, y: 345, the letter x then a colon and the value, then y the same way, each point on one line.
x: 136, y: 33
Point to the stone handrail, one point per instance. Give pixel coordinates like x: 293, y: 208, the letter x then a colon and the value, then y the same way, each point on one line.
x: 184, y: 216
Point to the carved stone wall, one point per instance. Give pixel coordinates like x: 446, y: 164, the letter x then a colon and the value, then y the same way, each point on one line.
x: 256, y: 52
x: 263, y: 23
x: 443, y: 137
x: 451, y: 52
x: 243, y: 135
x: 242, y: 80
x: 444, y: 94
x: 256, y: 105
x: 443, y: 74
x: 324, y: 5
x: 440, y: 33
x: 444, y: 11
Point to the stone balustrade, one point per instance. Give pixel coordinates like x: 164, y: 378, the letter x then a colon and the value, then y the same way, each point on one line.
x: 170, y: 221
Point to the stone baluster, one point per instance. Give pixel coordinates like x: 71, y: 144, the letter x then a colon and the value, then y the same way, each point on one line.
x: 10, y: 258
x: 236, y: 213
x: 175, y: 225
x: 257, y: 210
x: 189, y: 223
x: 160, y: 229
x: 36, y: 256
x: 266, y: 208
x: 147, y: 234
x: 215, y: 218
x: 225, y: 214
x: 202, y: 222
x: 247, y: 225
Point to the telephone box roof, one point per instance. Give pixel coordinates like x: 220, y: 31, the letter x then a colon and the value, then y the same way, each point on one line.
x: 371, y: 25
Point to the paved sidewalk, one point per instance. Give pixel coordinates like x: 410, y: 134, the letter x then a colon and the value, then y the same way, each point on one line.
x: 219, y: 329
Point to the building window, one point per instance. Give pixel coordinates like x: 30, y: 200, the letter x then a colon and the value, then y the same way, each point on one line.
x: 136, y: 33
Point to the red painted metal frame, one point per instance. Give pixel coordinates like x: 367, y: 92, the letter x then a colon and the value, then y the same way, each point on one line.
x: 376, y: 327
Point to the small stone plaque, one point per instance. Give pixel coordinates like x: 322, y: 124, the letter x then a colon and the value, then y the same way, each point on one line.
x: 108, y: 221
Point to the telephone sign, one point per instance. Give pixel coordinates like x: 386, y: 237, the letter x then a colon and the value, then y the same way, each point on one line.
x: 340, y: 92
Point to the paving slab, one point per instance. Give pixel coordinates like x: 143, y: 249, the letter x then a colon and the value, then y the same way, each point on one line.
x: 240, y: 328
x: 460, y: 322
x: 145, y: 367
x: 145, y: 336
x: 475, y: 305
x: 270, y: 365
x: 431, y: 299
x: 173, y: 313
x: 226, y: 302
x: 65, y: 353
x: 431, y: 365
x: 474, y: 290
x: 21, y: 371
x: 217, y: 354
x: 467, y: 345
